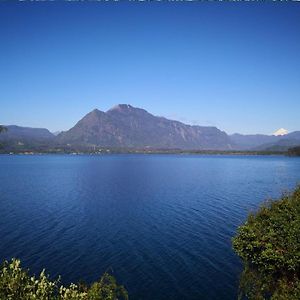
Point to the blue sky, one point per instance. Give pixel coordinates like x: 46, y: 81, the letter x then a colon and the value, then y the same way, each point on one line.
x: 231, y: 65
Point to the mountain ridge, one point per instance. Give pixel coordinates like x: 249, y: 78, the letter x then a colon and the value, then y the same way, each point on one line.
x: 125, y: 126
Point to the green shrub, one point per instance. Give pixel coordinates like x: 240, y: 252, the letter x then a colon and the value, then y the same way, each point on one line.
x: 269, y: 246
x: 17, y: 284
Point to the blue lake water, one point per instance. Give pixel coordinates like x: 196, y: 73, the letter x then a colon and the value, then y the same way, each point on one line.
x: 161, y: 223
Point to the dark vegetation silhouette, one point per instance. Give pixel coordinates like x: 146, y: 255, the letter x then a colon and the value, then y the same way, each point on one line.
x: 295, y: 151
x: 2, y: 128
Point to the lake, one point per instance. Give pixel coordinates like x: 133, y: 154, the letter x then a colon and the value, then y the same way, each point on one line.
x: 162, y: 224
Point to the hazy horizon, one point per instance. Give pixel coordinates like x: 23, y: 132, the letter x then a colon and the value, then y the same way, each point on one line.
x: 230, y: 65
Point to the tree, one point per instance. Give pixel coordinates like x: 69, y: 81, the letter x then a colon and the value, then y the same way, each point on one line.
x: 16, y: 283
x: 2, y: 128
x: 269, y: 246
x: 295, y: 151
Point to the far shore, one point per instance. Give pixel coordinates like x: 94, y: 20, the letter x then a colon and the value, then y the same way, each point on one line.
x: 143, y: 151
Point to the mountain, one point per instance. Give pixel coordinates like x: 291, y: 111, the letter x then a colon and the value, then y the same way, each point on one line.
x: 293, y: 135
x: 280, y: 131
x: 266, y: 142
x: 125, y: 126
x: 25, y: 134
x: 17, y: 137
x: 56, y: 133
x: 281, y: 145
x: 251, y: 141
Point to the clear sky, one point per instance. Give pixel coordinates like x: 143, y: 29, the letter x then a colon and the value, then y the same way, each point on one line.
x: 232, y: 65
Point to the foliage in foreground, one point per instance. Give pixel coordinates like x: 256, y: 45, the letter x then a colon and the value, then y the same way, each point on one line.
x: 16, y: 283
x: 269, y: 245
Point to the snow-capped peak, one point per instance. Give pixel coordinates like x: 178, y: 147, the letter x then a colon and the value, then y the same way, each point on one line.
x: 280, y: 131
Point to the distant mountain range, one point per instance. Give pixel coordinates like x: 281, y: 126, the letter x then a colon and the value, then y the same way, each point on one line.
x: 260, y: 142
x: 125, y: 126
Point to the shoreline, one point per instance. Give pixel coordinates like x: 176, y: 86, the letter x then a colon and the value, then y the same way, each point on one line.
x: 179, y: 152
